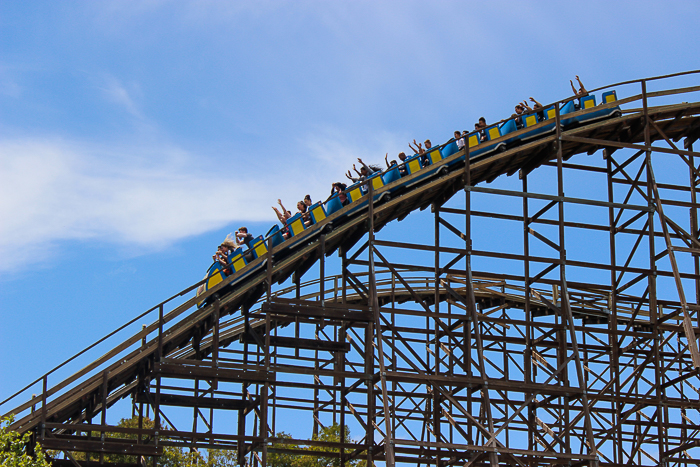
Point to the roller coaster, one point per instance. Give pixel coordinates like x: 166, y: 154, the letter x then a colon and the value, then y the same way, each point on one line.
x: 550, y: 352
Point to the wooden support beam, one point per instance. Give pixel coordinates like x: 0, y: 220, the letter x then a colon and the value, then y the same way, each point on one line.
x: 179, y: 400
x: 327, y: 311
x: 298, y: 343
x: 103, y: 447
x: 69, y: 463
x: 171, y: 369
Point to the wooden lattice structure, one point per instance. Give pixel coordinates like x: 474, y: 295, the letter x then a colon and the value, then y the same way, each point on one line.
x: 567, y: 335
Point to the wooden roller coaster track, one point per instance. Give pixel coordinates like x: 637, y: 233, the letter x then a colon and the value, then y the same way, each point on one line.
x: 436, y: 363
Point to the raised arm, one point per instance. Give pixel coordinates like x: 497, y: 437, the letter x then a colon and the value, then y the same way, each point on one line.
x: 279, y: 201
x: 365, y: 165
x: 356, y: 171
x: 583, y: 91
x: 386, y: 160
x: 279, y: 214
x: 573, y: 88
x: 537, y: 104
x: 418, y: 145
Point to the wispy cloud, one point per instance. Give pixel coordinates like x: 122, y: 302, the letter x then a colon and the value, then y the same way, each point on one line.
x: 333, y: 152
x: 51, y: 191
x: 118, y: 94
x: 148, y: 198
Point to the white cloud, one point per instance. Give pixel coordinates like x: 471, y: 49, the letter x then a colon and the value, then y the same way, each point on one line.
x: 53, y: 191
x: 334, y: 152
x: 118, y: 94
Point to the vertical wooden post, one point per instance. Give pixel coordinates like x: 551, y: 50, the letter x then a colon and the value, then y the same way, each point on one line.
x: 159, y: 358
x: 437, y: 412
x: 264, y: 435
x: 377, y: 336
x: 103, y: 420
x: 613, y: 340
x: 44, y: 390
x: 467, y: 325
x: 565, y: 305
x: 322, y: 268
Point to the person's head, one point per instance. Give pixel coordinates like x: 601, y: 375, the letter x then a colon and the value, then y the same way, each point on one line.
x: 465, y: 133
x: 476, y: 126
x: 363, y: 171
x: 301, y: 206
x: 228, y: 244
x: 457, y: 135
x: 482, y: 121
x: 392, y: 163
x: 519, y: 109
x: 243, y: 230
x: 428, y: 144
x: 307, y: 200
x: 402, y: 156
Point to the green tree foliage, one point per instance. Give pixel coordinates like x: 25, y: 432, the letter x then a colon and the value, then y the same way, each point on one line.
x: 172, y: 456
x: 179, y: 457
x: 281, y: 459
x: 14, y: 448
x: 328, y: 434
x: 221, y: 458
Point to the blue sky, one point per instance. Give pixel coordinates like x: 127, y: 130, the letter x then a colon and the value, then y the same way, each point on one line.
x: 135, y: 134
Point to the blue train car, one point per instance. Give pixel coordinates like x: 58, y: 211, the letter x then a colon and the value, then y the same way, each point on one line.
x: 333, y: 204
x: 217, y: 273
x: 318, y: 213
x: 259, y: 247
x: 539, y: 123
x: 274, y: 236
x: 588, y: 103
x: 509, y: 127
x: 434, y: 156
x: 414, y: 164
x: 492, y: 132
x: 568, y: 108
x: 354, y: 192
x: 296, y: 224
x: 477, y: 148
x: 449, y: 149
x: 391, y: 175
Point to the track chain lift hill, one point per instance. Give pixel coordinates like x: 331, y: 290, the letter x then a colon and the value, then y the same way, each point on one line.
x: 567, y: 335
